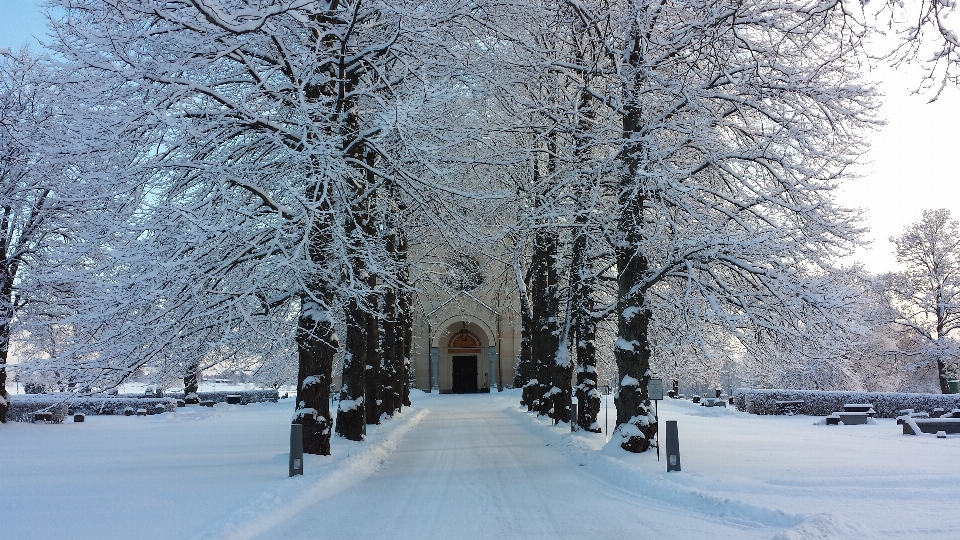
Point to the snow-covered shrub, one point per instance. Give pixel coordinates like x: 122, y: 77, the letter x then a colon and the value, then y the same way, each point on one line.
x: 820, y: 403
x: 115, y: 405
x: 246, y: 396
x: 22, y: 408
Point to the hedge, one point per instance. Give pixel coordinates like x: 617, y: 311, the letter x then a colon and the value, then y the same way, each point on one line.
x: 820, y: 403
x: 246, y: 396
x: 22, y: 407
x: 92, y: 406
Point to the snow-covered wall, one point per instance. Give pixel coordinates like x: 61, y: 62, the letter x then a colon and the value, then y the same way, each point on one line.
x: 819, y: 403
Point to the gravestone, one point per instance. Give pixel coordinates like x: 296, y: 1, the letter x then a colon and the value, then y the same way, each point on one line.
x: 673, y: 446
x: 296, y: 449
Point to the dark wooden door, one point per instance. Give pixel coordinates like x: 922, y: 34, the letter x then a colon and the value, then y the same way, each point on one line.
x: 464, y: 374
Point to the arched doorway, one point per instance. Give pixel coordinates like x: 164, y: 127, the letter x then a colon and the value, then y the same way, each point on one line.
x: 464, y: 349
x: 463, y: 335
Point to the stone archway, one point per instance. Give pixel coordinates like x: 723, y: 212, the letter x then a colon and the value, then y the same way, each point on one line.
x: 464, y: 356
x: 464, y: 348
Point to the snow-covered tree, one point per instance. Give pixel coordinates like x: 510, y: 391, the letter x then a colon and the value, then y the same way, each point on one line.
x: 278, y: 125
x: 728, y: 157
x: 54, y: 177
x: 926, y: 293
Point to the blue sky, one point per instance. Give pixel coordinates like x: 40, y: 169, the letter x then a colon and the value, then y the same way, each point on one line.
x: 20, y: 20
x: 914, y: 163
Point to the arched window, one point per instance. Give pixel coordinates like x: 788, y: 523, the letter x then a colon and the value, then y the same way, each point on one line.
x: 464, y: 341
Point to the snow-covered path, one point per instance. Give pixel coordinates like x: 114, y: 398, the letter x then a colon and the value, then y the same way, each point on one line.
x: 472, y: 468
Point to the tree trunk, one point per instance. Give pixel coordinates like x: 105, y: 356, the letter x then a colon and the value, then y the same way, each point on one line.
x: 4, y: 341
x: 944, y: 376
x: 584, y: 332
x: 374, y: 352
x: 405, y: 313
x: 561, y: 391
x: 351, y: 411
x: 191, y: 384
x: 546, y: 332
x: 636, y: 422
x: 407, y: 349
x: 391, y: 344
x: 9, y: 269
x: 374, y: 377
x: 317, y: 343
x: 525, y: 361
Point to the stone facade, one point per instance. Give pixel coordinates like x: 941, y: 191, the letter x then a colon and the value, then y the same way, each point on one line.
x: 452, y: 327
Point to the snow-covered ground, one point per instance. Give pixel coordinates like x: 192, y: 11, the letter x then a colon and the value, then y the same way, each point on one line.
x: 473, y: 466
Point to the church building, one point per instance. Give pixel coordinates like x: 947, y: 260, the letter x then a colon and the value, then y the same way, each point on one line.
x: 466, y: 329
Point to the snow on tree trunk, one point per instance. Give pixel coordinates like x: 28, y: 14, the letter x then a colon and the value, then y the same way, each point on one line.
x: 317, y: 341
x: 316, y: 344
x: 524, y: 368
x: 584, y: 332
x: 392, y: 345
x: 351, y: 411
x: 636, y: 424
x: 405, y: 317
x: 4, y: 395
x: 545, y: 340
x: 373, y: 379
x: 191, y: 384
x: 6, y: 320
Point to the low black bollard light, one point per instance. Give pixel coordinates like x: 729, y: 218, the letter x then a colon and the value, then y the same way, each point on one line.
x: 296, y: 449
x: 673, y: 447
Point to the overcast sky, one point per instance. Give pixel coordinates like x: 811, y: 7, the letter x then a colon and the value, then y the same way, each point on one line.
x: 912, y: 165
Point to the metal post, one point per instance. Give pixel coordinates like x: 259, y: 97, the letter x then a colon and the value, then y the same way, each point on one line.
x: 435, y: 369
x: 673, y: 447
x: 606, y: 410
x: 296, y: 449
x: 429, y: 358
x: 656, y: 416
x: 492, y: 357
x: 573, y: 417
x: 500, y: 383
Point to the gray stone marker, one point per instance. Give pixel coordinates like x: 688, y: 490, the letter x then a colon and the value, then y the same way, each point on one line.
x: 296, y: 449
x: 673, y: 447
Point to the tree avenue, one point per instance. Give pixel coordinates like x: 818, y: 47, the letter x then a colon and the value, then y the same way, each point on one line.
x: 281, y: 179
